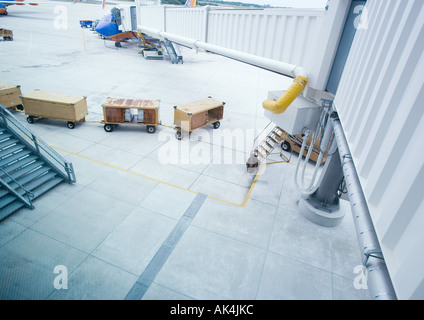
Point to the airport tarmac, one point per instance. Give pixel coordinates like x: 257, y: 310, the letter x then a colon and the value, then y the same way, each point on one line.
x: 151, y: 217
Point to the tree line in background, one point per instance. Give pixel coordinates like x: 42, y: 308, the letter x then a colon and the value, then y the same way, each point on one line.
x: 217, y: 2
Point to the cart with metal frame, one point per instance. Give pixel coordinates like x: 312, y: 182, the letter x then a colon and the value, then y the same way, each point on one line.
x: 197, y: 114
x: 51, y: 105
x: 6, y: 34
x: 132, y: 112
x: 10, y: 96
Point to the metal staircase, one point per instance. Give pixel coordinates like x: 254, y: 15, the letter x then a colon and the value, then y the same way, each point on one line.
x: 173, y: 52
x: 28, y: 166
x: 264, y: 149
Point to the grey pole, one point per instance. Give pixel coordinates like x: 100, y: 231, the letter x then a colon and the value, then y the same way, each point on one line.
x: 378, y: 279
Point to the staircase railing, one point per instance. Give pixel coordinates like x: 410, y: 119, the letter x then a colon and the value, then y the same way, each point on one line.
x: 47, y: 153
x: 29, y: 195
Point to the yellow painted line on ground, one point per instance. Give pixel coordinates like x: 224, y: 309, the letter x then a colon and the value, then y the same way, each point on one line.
x: 243, y: 205
x: 256, y: 179
x: 124, y: 170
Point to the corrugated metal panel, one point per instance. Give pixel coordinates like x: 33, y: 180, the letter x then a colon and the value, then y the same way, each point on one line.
x: 284, y: 35
x: 307, y: 37
x: 380, y: 103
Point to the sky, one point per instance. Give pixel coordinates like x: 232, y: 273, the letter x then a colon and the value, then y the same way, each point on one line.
x: 289, y: 3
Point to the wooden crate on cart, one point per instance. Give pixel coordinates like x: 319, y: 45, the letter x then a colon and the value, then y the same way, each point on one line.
x: 51, y: 105
x: 10, y: 96
x: 132, y: 112
x: 197, y: 114
x: 6, y: 34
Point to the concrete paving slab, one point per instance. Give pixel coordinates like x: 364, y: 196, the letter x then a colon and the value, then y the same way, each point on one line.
x: 171, y: 175
x: 135, y: 241
x: 124, y: 186
x: 168, y: 200
x: 9, y: 230
x: 85, y: 219
x: 296, y: 280
x: 158, y: 292
x: 96, y: 280
x: 111, y: 156
x: 206, y: 265
x: 46, y: 203
x: 252, y: 224
x: 269, y: 184
x: 220, y: 189
x: 296, y: 237
x: 28, y: 265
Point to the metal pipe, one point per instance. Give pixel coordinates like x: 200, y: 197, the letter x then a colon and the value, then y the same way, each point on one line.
x: 286, y: 69
x: 291, y: 70
x: 378, y: 279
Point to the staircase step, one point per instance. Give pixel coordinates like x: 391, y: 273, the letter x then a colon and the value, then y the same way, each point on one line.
x: 18, y: 164
x: 10, y: 209
x: 269, y: 145
x: 23, y: 171
x: 30, y: 176
x: 4, y: 201
x: 39, y: 181
x: 47, y: 186
x: 5, y: 152
x: 8, y: 142
x: 3, y: 192
x: 5, y: 135
x: 14, y: 157
x: 273, y: 141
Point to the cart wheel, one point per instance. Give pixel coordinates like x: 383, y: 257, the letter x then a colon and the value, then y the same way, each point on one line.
x: 108, y: 127
x: 178, y: 135
x: 118, y: 44
x: 285, y: 146
x: 151, y: 129
x: 20, y: 107
x: 70, y: 125
x: 216, y: 125
x: 30, y: 119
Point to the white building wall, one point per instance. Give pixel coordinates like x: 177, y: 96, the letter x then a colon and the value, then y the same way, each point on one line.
x: 380, y: 102
x: 306, y: 37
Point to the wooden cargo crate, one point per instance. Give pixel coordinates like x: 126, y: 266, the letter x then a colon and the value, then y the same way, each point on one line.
x: 42, y: 104
x: 294, y: 143
x: 197, y: 114
x: 130, y: 111
x: 6, y: 34
x: 10, y: 96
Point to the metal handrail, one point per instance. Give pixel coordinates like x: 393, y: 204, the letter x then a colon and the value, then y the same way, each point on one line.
x: 28, y: 193
x: 63, y: 167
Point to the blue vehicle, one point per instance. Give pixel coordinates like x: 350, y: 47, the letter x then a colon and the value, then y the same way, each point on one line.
x: 5, y: 3
x: 86, y: 23
x: 108, y: 28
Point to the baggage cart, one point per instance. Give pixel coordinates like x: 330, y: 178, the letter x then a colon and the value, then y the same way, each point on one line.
x: 10, y: 96
x: 197, y: 114
x: 132, y: 112
x: 86, y: 23
x: 294, y: 143
x: 43, y: 104
x: 6, y: 34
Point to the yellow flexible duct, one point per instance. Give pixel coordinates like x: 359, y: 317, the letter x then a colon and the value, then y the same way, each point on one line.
x: 280, y: 105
